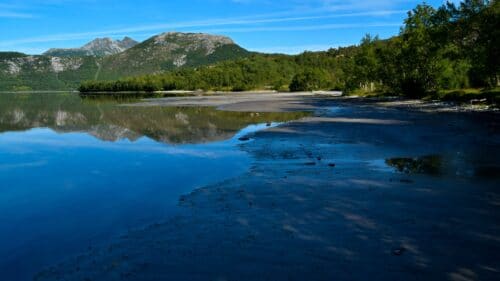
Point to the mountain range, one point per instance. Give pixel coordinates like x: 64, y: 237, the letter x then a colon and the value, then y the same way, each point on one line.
x: 107, y: 59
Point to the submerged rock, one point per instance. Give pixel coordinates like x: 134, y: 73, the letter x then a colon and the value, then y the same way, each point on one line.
x: 405, y: 181
x: 398, y: 251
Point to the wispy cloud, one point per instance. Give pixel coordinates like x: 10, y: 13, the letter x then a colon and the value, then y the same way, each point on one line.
x: 337, y: 5
x: 329, y: 5
x: 13, y: 11
x: 302, y: 28
x: 23, y: 165
x: 15, y: 15
x: 228, y: 22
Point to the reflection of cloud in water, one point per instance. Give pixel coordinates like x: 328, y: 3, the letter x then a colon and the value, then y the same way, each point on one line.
x: 51, y: 139
x: 23, y: 165
x: 107, y: 120
x: 367, y: 121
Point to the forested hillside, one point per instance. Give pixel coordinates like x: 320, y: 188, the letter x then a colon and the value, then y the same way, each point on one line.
x: 452, y: 47
x: 104, y: 59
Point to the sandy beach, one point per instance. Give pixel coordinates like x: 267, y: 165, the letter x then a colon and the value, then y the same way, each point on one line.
x: 303, y: 101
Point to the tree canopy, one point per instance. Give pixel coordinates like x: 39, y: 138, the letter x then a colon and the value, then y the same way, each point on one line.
x: 450, y: 47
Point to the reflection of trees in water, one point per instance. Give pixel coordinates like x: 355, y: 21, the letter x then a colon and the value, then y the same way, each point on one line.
x: 470, y: 164
x: 108, y: 119
x: 430, y: 164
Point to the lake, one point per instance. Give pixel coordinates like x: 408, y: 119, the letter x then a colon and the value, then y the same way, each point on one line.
x: 121, y: 188
x: 76, y: 172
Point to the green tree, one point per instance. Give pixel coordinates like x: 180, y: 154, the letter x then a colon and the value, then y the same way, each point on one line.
x: 418, y: 53
x: 310, y: 80
x: 479, y: 33
x: 367, y: 64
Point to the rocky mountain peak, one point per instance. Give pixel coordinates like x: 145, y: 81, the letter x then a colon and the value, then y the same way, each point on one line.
x: 108, y: 46
x: 97, y: 47
x: 192, y: 41
x: 128, y: 42
x: 194, y: 37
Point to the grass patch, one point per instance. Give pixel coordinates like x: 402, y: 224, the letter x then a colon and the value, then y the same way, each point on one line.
x: 461, y: 96
x: 369, y: 94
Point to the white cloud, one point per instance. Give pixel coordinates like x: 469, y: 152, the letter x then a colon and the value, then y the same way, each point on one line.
x: 303, y: 27
x: 12, y: 11
x: 8, y: 14
x: 203, y: 25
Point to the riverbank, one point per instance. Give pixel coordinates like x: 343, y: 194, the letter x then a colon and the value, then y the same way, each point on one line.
x: 306, y: 101
x: 323, y: 200
x: 272, y: 101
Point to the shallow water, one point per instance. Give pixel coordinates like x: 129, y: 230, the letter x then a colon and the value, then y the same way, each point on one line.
x: 361, y: 192
x: 75, y: 173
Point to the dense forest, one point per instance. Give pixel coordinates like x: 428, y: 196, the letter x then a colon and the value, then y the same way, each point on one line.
x: 452, y: 47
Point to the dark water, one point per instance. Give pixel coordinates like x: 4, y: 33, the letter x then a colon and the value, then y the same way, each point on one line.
x: 75, y: 173
x: 440, y: 145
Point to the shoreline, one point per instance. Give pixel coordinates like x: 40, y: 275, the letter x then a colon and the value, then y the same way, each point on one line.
x: 256, y: 96
x: 305, y: 101
x: 319, y: 214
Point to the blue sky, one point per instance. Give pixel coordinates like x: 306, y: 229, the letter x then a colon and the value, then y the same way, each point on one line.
x: 287, y: 26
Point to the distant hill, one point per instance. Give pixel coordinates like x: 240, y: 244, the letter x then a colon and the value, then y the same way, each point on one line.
x: 104, y: 59
x: 169, y: 51
x: 98, y: 47
x: 20, y: 72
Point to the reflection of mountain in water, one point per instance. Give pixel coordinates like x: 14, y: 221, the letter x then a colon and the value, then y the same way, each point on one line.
x: 107, y: 120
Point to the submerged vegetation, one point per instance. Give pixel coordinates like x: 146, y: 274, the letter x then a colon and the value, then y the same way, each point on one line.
x: 452, y: 47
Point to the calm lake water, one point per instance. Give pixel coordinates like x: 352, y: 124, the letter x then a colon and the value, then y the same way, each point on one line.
x: 76, y: 172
